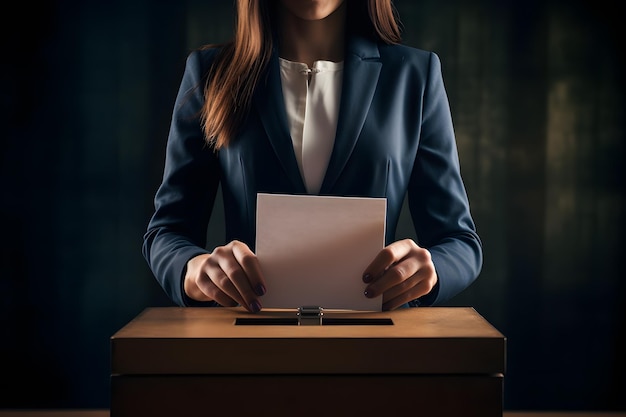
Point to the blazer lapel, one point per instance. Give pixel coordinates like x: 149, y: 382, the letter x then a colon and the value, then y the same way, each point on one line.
x: 271, y: 107
x: 361, y: 70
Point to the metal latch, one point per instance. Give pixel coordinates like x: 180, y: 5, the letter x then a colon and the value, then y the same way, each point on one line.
x: 310, y: 316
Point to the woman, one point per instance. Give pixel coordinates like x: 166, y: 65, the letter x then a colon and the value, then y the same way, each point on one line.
x: 314, y: 97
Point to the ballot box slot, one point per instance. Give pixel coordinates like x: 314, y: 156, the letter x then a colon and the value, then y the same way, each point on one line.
x: 339, y: 321
x: 325, y: 321
x: 266, y: 321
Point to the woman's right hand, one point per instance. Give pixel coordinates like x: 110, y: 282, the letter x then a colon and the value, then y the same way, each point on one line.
x: 230, y: 276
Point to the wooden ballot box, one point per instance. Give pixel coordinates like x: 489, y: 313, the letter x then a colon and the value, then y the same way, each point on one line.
x: 425, y: 361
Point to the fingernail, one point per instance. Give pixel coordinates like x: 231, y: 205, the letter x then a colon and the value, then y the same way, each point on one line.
x: 260, y: 289
x: 367, y: 278
x: 255, y: 306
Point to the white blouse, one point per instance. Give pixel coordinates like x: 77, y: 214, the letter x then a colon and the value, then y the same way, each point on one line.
x: 312, y: 97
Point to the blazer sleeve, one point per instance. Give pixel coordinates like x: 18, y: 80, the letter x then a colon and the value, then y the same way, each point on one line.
x: 184, y: 200
x: 437, y: 197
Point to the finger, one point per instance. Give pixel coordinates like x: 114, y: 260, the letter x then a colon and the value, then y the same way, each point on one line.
x: 233, y: 260
x: 426, y: 274
x: 224, y: 287
x: 247, y: 278
x: 388, y: 256
x: 250, y: 264
x: 213, y: 292
x: 418, y: 290
x: 395, y: 275
x: 223, y: 269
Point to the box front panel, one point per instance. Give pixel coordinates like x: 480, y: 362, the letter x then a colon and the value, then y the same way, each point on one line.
x: 308, y: 395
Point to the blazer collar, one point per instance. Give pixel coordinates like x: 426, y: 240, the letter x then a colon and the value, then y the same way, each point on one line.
x: 360, y: 77
x: 270, y: 104
x: 361, y: 70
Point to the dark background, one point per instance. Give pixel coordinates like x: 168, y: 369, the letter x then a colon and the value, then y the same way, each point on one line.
x: 537, y: 95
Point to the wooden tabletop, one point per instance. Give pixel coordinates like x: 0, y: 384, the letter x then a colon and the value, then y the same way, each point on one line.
x: 456, y: 340
x: 194, y: 323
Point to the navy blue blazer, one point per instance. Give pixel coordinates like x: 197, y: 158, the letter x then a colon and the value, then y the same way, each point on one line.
x: 394, y: 136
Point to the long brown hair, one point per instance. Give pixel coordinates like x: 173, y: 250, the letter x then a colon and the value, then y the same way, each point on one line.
x: 240, y: 63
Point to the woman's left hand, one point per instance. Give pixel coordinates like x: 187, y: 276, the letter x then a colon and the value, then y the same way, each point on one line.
x: 401, y: 272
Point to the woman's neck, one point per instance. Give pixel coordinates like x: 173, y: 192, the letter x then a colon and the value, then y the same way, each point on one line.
x: 308, y: 41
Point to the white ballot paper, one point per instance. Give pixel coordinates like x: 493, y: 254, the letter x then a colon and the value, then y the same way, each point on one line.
x: 313, y: 250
